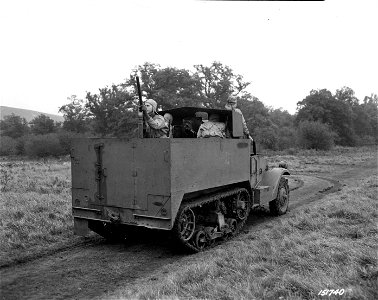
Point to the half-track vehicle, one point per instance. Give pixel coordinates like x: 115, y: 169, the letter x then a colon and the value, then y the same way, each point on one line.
x: 200, y: 189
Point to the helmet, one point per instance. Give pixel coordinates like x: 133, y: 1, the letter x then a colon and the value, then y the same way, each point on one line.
x: 203, y: 115
x: 153, y: 103
x: 168, y: 116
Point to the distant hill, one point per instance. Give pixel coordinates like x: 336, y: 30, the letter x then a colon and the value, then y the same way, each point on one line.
x: 26, y: 113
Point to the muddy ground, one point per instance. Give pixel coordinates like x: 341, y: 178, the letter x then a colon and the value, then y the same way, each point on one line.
x: 93, y: 268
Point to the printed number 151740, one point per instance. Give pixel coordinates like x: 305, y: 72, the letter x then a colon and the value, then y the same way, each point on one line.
x: 327, y: 292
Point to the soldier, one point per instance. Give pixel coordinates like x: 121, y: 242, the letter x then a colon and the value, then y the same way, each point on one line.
x: 212, y: 128
x: 156, y: 125
x: 168, y: 120
x: 231, y: 105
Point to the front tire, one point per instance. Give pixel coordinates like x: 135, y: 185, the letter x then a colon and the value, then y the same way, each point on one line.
x: 279, y: 206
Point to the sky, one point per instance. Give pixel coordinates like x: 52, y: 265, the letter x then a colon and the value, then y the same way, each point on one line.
x: 51, y: 50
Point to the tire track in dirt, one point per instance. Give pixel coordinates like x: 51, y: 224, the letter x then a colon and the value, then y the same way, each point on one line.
x: 94, y: 270
x: 304, y: 189
x: 72, y: 244
x: 86, y: 271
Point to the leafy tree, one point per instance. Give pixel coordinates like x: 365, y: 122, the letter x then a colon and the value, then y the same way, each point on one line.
x: 147, y: 72
x: 372, y: 100
x: 75, y: 115
x: 282, y: 117
x: 257, y: 116
x: 42, y: 124
x: 112, y: 111
x: 219, y: 83
x: 13, y: 126
x: 322, y: 106
x: 347, y: 95
x: 255, y: 113
x: 267, y: 137
x: 364, y: 116
x: 360, y: 119
x: 316, y: 106
x: 170, y: 87
x: 370, y: 108
x: 284, y: 121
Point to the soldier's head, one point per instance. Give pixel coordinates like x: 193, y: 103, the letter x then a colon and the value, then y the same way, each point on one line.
x: 214, y: 118
x: 168, y: 118
x: 151, y: 106
x: 203, y: 115
x: 231, y: 103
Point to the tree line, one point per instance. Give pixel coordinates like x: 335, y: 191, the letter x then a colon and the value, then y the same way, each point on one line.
x: 42, y: 136
x: 322, y: 119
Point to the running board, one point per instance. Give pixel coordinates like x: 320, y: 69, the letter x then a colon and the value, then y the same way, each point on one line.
x: 150, y: 217
x: 264, y: 188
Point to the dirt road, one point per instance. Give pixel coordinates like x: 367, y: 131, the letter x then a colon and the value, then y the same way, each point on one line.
x: 95, y: 269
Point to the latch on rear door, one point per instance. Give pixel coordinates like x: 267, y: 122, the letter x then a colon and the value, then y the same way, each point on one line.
x: 100, y: 172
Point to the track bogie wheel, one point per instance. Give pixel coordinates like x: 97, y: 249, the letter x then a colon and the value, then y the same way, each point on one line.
x: 200, y: 240
x: 233, y: 225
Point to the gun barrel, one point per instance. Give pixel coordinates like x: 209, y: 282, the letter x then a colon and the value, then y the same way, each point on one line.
x: 139, y: 94
x: 140, y: 115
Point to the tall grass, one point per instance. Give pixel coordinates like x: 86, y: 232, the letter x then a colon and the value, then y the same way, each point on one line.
x: 35, y: 207
x: 330, y: 244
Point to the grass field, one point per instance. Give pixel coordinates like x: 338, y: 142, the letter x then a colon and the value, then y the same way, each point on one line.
x: 35, y: 207
x: 311, y: 161
x: 331, y: 243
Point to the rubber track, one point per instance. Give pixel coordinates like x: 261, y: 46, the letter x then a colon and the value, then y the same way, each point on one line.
x: 206, y: 200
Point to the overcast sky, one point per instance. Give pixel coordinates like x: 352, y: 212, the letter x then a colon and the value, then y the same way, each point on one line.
x: 51, y: 50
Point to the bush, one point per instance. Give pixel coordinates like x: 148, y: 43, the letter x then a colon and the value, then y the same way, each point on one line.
x: 7, y: 145
x: 266, y: 137
x: 43, y: 145
x: 286, y: 138
x: 291, y: 151
x: 20, y: 147
x: 65, y: 139
x: 315, y: 135
x: 366, y: 140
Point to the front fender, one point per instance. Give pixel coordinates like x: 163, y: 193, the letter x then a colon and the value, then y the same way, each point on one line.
x: 271, y: 179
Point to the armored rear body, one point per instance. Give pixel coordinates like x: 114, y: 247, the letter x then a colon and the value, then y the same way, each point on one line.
x: 200, y: 188
x: 142, y: 182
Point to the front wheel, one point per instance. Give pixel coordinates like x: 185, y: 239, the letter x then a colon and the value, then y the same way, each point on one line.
x: 280, y: 205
